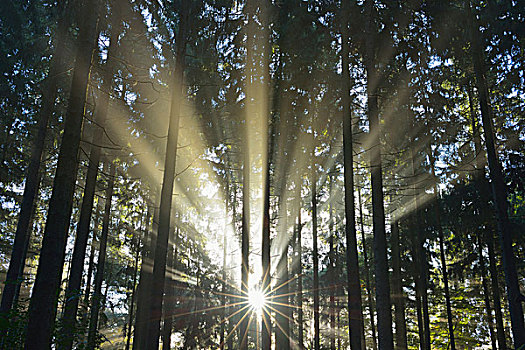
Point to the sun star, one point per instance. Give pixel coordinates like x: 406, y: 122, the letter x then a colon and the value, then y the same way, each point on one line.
x: 257, y: 300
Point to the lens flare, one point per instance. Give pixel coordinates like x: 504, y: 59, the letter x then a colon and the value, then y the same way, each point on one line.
x: 257, y: 300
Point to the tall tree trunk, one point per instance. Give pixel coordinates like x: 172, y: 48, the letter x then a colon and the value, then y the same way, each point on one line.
x: 355, y: 313
x: 146, y: 269
x: 134, y: 284
x: 169, y: 298
x: 422, y: 265
x: 483, y: 188
x: 502, y: 344
x: 367, y: 271
x: 33, y: 174
x: 298, y: 243
x: 77, y: 261
x: 331, y: 266
x: 245, y: 243
x: 486, y: 294
x: 42, y: 308
x: 266, y: 272
x: 315, y: 254
x: 224, y: 267
x: 94, y: 243
x: 282, y: 319
x: 159, y: 268
x: 417, y: 284
x: 499, y: 192
x: 383, y: 305
x: 398, y: 297
x: 437, y: 215
x: 98, y: 299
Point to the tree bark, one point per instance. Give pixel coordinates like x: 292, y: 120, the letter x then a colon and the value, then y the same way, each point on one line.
x: 94, y: 242
x: 437, y: 215
x: 499, y: 191
x: 383, y: 305
x: 146, y: 269
x: 282, y: 319
x: 42, y: 309
x: 316, y: 263
x: 33, y: 174
x: 367, y: 271
x: 331, y: 266
x: 486, y: 294
x: 133, y: 288
x: 397, y: 290
x: 73, y: 293
x: 169, y: 298
x: 159, y: 268
x: 98, y: 300
x: 355, y: 313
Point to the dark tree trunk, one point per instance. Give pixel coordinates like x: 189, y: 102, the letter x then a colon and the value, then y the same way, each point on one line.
x: 486, y: 294
x: 300, y: 279
x: 33, y: 175
x: 331, y: 266
x: 398, y: 297
x: 355, y: 313
x: 224, y: 267
x: 502, y: 344
x: 169, y: 298
x: 266, y: 272
x: 367, y: 271
x: 146, y: 269
x: 483, y: 187
x: 159, y: 268
x: 316, y: 263
x: 442, y: 255
x: 91, y: 263
x: 421, y: 258
x: 98, y: 299
x: 73, y: 292
x: 43, y: 306
x: 499, y: 192
x: 281, y: 299
x: 383, y: 305
x: 133, y: 287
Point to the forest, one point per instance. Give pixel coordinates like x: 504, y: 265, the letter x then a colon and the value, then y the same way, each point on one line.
x: 262, y: 174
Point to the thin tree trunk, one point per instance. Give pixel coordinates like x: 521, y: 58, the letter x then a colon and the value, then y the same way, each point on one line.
x: 486, y: 294
x: 422, y: 265
x: 98, y: 299
x: 417, y: 283
x: 437, y: 214
x: 133, y: 291
x: 42, y: 308
x: 331, y: 266
x: 483, y: 187
x: 367, y: 271
x: 383, y: 305
x: 73, y: 292
x: 169, y: 305
x: 159, y: 268
x: 300, y: 279
x: 316, y: 264
x: 33, y: 175
x: 94, y: 242
x: 224, y: 267
x: 499, y: 192
x: 282, y: 320
x: 146, y: 269
x: 502, y: 344
x: 355, y: 313
x: 398, y: 297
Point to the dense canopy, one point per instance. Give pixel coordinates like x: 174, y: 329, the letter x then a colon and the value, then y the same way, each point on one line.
x: 262, y: 174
